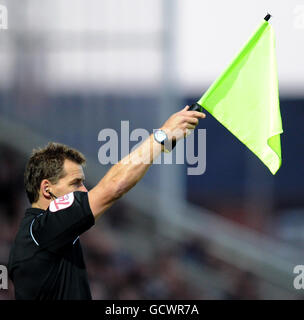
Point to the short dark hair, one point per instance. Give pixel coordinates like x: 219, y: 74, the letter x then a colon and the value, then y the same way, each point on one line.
x: 47, y: 163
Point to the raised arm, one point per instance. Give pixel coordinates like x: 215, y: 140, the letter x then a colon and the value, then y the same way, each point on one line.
x: 127, y: 172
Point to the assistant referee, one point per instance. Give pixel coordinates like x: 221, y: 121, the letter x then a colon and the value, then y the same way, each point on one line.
x: 46, y: 260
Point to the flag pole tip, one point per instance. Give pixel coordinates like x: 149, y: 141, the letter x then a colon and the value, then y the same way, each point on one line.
x: 268, y: 16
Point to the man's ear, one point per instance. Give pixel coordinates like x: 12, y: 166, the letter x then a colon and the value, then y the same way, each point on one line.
x: 45, y: 188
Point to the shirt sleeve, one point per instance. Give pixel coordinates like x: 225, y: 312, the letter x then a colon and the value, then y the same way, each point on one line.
x: 65, y: 219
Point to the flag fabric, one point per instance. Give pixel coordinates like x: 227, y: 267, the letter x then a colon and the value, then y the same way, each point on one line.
x: 245, y: 98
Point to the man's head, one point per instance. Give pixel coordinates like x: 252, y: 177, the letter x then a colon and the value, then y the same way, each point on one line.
x: 53, y: 170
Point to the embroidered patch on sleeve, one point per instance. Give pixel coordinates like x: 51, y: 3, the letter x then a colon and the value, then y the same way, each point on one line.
x: 62, y: 202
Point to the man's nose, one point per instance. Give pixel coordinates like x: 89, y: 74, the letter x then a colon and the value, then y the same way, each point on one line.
x: 83, y: 188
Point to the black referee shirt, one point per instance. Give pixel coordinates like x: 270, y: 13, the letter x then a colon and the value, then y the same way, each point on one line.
x: 46, y: 261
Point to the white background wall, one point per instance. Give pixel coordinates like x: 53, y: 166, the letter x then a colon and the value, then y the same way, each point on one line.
x: 212, y: 32
x: 102, y: 45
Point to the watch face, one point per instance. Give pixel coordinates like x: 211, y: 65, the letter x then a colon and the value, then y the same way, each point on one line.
x: 160, y: 135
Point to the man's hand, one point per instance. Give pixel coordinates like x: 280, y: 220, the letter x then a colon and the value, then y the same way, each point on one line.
x: 180, y: 124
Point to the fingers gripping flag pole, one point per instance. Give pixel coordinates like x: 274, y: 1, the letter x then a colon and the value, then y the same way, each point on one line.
x: 245, y: 97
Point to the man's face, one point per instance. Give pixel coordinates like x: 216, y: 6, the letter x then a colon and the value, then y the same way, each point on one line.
x: 72, y: 181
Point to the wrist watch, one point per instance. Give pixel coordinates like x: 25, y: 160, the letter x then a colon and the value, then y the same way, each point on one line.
x: 160, y: 136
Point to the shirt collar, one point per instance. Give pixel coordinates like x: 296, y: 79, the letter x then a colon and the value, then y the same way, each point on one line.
x: 34, y: 211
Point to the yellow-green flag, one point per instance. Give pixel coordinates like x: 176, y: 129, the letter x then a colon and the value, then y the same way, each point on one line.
x: 245, y: 98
